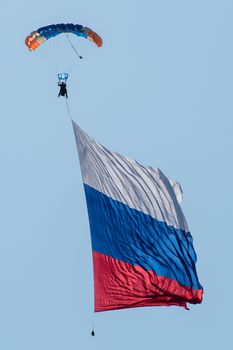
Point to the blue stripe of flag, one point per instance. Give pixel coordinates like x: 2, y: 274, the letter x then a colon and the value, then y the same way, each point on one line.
x: 136, y: 238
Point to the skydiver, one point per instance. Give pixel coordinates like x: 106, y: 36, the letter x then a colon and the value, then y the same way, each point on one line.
x: 63, y: 89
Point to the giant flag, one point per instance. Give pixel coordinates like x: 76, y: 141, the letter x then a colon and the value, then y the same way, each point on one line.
x: 143, y: 251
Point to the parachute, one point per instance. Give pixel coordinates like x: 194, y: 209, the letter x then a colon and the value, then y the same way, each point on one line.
x: 42, y: 34
x: 39, y: 36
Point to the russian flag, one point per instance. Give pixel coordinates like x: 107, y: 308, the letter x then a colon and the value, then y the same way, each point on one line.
x: 143, y: 252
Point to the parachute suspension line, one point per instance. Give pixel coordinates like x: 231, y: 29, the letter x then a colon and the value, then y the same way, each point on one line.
x: 51, y: 49
x: 73, y: 47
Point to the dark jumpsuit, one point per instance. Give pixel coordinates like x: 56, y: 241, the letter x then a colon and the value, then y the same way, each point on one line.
x: 63, y: 90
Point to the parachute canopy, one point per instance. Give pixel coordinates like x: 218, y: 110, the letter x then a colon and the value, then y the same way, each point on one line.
x: 42, y: 34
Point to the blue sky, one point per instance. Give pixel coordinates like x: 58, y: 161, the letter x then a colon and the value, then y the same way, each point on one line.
x: 160, y: 91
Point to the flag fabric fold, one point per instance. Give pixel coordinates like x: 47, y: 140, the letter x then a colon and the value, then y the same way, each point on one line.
x: 143, y: 252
